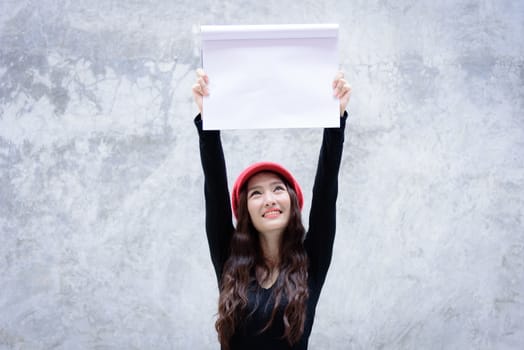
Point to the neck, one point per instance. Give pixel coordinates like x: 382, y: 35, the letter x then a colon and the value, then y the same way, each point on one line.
x: 270, y: 245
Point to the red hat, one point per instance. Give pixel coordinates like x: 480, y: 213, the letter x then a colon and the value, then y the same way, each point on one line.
x: 257, y: 168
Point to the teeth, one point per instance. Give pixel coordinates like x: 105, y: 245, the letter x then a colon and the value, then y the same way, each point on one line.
x: 272, y: 212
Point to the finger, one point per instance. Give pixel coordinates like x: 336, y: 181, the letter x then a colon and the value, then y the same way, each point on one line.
x: 200, y: 90
x: 337, y: 84
x: 197, y: 89
x: 202, y: 82
x: 343, y: 91
x: 338, y: 76
x: 345, y: 88
x: 201, y: 74
x: 346, y: 91
x: 339, y: 87
x: 204, y: 87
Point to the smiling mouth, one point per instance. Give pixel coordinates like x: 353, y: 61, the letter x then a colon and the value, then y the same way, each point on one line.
x: 272, y: 213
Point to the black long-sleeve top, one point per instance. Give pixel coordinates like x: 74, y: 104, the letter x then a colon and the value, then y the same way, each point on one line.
x: 318, y: 243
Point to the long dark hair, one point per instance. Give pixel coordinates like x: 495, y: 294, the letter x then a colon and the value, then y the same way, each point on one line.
x: 239, y: 271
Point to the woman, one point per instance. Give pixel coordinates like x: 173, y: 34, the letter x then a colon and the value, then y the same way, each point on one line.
x: 270, y: 272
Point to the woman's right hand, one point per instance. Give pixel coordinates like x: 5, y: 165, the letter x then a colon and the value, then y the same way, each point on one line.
x: 200, y: 88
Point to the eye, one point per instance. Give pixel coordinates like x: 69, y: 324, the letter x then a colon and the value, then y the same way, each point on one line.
x: 279, y: 188
x: 254, y: 193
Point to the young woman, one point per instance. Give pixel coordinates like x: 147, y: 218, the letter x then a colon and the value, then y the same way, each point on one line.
x: 269, y: 270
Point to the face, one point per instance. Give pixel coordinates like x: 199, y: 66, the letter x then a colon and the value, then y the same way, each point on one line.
x: 268, y: 203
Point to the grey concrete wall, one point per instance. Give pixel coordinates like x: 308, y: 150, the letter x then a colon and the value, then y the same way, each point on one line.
x: 102, y: 241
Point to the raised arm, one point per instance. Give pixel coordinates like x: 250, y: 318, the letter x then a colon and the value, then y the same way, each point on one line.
x: 219, y: 226
x: 322, y: 218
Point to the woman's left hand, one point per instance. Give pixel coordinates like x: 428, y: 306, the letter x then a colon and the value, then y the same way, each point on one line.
x: 342, y: 91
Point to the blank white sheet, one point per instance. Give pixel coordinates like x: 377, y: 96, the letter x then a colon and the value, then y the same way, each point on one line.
x: 270, y: 76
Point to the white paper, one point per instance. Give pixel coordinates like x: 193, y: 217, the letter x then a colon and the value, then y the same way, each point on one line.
x: 270, y: 76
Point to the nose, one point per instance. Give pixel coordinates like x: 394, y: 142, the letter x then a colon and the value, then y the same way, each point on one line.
x: 269, y: 199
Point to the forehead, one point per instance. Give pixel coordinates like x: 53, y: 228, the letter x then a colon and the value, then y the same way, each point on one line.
x: 263, y: 178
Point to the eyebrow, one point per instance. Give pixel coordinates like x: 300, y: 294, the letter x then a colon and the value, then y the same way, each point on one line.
x: 278, y: 182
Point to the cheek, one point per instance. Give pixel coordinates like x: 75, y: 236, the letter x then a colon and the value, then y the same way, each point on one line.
x: 286, y: 200
x: 251, y: 208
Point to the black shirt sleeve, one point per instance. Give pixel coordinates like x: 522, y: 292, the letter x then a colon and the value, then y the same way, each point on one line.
x: 322, y: 217
x: 219, y: 225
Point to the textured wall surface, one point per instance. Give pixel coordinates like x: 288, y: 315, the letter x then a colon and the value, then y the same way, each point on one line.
x: 102, y: 241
